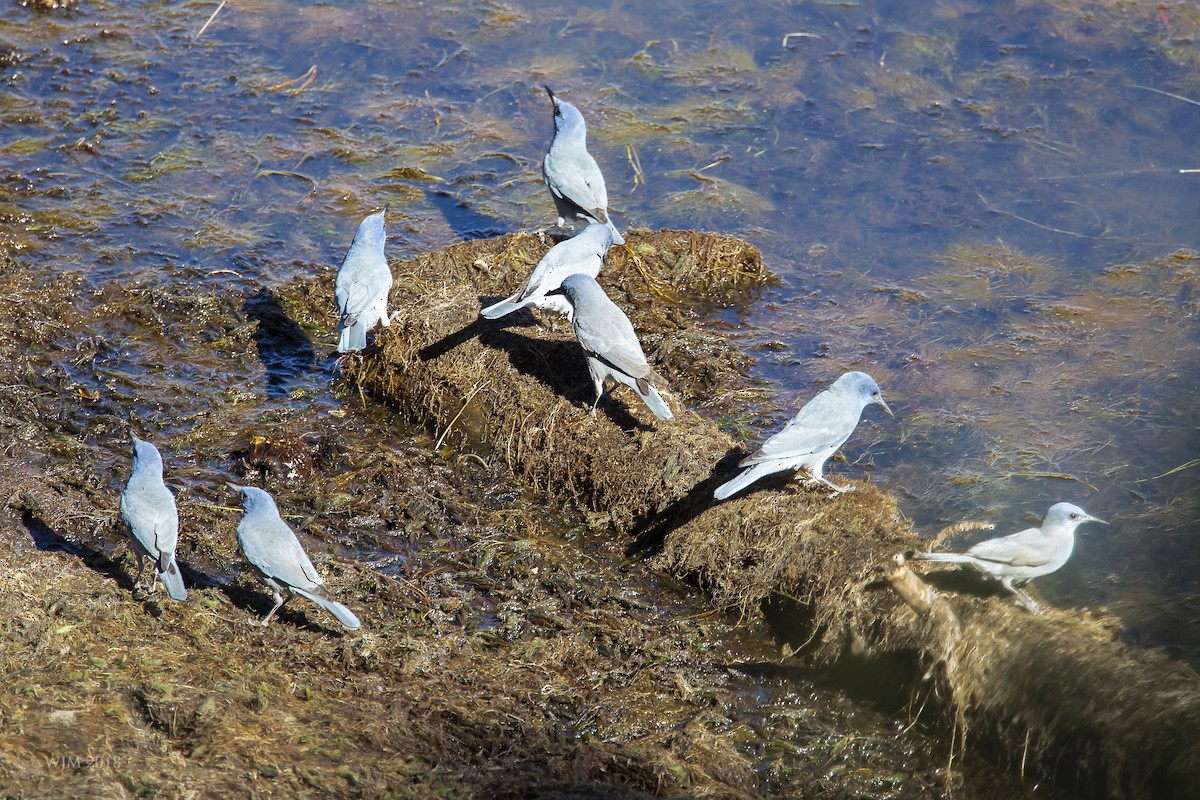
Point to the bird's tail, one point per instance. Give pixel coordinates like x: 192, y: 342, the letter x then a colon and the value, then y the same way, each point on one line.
x: 617, y: 238
x: 654, y: 401
x: 732, y: 487
x: 507, y: 306
x: 354, y: 336
x: 172, y: 579
x: 956, y: 558
x: 343, y: 614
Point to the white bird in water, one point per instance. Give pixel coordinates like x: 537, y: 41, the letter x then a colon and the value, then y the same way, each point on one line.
x: 1021, y: 557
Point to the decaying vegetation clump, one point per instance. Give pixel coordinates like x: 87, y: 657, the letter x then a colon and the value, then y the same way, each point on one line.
x: 500, y: 656
x: 497, y: 658
x: 517, y: 397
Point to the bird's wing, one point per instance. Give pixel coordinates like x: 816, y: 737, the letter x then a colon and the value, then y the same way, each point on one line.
x: 166, y: 536
x: 825, y: 421
x: 151, y: 518
x: 577, y: 178
x: 360, y: 284
x: 1029, y: 548
x: 270, y: 545
x: 556, y: 266
x: 608, y: 335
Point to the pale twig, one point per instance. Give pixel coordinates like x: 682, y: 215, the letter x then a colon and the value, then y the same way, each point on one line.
x: 1004, y: 213
x: 470, y: 396
x: 1166, y: 94
x: 208, y: 22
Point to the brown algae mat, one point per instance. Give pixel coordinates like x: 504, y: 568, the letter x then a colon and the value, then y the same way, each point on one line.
x: 514, y: 392
x: 506, y: 650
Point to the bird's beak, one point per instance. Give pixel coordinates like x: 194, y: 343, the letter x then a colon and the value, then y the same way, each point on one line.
x: 234, y: 487
x: 1090, y: 518
x: 553, y: 99
x: 882, y: 404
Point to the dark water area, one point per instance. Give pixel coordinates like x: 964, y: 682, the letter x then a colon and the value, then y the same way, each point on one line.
x: 990, y: 207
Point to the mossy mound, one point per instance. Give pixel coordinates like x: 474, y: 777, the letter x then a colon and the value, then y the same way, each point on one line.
x: 516, y: 393
x: 453, y: 371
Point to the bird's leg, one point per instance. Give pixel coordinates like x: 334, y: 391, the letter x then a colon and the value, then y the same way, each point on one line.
x: 599, y: 393
x: 137, y: 582
x: 279, y: 601
x: 1023, y: 597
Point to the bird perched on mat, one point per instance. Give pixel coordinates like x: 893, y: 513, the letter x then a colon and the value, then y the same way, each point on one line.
x: 1021, y: 557
x: 148, y: 509
x: 610, y: 344
x: 583, y: 253
x: 812, y: 436
x: 570, y: 172
x: 363, y: 283
x: 276, y: 555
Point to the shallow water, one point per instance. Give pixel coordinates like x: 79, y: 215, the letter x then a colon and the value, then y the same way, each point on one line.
x: 981, y: 204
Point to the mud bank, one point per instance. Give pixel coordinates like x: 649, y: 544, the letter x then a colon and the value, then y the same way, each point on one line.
x: 1057, y: 691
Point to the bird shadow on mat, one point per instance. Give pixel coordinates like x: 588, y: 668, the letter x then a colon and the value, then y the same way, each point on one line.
x: 649, y: 534
x: 48, y: 540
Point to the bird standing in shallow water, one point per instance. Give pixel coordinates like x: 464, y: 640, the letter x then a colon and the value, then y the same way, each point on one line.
x: 362, y: 286
x: 583, y: 253
x: 1023, y: 556
x: 812, y: 436
x: 570, y: 172
x: 148, y: 509
x: 276, y: 555
x: 610, y: 343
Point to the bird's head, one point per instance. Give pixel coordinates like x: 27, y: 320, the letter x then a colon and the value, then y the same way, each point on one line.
x: 372, y: 230
x: 567, y: 118
x: 865, y: 388
x: 1068, y: 515
x: 252, y: 497
x: 144, y: 453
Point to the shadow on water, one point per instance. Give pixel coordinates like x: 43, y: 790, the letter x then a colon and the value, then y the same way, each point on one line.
x: 464, y: 220
x: 284, y: 348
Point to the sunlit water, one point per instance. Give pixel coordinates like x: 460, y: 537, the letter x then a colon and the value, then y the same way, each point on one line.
x: 983, y: 205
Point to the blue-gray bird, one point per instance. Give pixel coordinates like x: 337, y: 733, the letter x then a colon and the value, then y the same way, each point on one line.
x: 276, y: 555
x: 1026, y: 555
x: 812, y: 436
x: 570, y: 172
x: 148, y: 509
x: 610, y: 344
x: 583, y: 253
x: 363, y: 283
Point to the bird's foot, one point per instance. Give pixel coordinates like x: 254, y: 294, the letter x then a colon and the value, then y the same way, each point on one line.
x: 814, y: 483
x: 1026, y: 601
